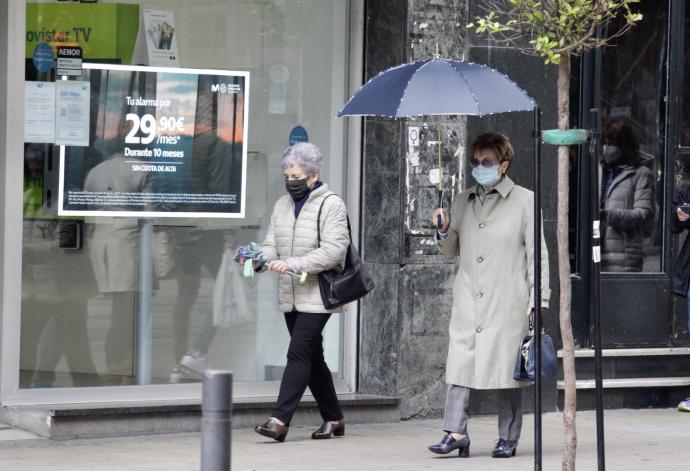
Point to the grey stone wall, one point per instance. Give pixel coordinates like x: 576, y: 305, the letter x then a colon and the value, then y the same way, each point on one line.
x: 404, y: 322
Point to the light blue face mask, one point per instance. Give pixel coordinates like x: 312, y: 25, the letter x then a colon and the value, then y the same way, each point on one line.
x: 486, y: 176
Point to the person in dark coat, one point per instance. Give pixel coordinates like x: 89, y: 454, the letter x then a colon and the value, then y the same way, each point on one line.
x: 627, y: 200
x: 680, y: 221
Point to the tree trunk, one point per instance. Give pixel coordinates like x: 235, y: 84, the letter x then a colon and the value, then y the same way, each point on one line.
x: 570, y: 437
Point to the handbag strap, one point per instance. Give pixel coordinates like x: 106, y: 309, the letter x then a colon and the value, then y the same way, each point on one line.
x: 531, y: 324
x: 318, y: 221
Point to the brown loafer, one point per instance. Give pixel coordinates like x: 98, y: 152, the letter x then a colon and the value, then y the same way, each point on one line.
x: 272, y: 429
x: 329, y: 429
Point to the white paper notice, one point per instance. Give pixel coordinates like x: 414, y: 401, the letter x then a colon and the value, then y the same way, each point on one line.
x: 39, y: 112
x: 73, y: 100
x: 434, y: 176
x: 161, y: 38
x: 413, y: 137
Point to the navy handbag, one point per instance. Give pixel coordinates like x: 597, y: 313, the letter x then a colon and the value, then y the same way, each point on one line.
x: 525, y: 362
x: 342, y: 287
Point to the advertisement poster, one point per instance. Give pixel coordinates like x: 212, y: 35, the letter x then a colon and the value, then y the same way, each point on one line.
x: 39, y: 112
x: 163, y: 142
x: 161, y: 38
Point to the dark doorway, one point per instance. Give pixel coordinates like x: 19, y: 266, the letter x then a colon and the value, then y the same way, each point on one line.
x: 636, y: 84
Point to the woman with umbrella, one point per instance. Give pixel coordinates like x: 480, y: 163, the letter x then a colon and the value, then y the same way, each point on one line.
x: 490, y: 228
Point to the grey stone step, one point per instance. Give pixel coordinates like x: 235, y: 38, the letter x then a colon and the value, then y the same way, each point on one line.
x: 631, y: 363
x: 630, y: 383
x: 630, y: 352
x: 71, y: 421
x: 630, y: 393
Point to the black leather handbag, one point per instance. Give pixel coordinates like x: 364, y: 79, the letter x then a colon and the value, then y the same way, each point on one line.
x: 342, y: 287
x: 525, y: 362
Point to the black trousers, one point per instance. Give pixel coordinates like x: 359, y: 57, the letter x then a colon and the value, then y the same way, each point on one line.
x: 306, y: 367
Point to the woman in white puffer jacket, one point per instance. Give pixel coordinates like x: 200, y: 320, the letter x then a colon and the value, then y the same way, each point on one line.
x: 292, y: 246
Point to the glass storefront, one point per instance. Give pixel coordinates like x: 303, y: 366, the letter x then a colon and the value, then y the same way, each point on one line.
x: 127, y: 300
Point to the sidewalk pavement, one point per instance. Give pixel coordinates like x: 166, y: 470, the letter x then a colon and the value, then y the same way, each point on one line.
x: 646, y: 440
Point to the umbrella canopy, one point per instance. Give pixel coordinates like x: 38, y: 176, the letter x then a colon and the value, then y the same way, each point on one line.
x: 438, y: 87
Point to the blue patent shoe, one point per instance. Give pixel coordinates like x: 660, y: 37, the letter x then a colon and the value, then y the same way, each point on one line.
x: 448, y: 444
x: 504, y: 448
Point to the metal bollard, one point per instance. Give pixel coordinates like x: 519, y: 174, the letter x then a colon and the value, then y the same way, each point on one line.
x: 216, y: 409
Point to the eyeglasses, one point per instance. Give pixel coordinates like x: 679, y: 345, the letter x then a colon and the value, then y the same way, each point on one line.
x: 486, y: 163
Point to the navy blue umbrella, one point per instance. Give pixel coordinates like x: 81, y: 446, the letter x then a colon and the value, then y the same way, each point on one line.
x: 438, y: 87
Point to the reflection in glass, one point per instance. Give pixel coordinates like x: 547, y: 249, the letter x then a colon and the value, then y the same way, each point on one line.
x: 627, y: 199
x: 685, y: 90
x: 57, y: 282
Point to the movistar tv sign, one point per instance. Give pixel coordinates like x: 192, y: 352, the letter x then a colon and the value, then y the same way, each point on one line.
x: 102, y: 30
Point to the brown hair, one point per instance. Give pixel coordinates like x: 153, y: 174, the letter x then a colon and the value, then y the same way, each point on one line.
x: 619, y: 132
x: 495, y: 141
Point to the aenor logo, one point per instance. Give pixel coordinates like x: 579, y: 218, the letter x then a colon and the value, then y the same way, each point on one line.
x: 225, y: 88
x: 69, y: 51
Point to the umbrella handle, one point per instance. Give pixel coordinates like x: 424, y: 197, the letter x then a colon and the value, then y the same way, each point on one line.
x: 439, y: 218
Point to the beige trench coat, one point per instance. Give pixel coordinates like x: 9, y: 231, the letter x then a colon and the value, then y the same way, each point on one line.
x: 493, y: 287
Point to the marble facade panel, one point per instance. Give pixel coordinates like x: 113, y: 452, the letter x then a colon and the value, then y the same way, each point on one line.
x: 426, y: 304
x: 386, y: 44
x: 380, y: 333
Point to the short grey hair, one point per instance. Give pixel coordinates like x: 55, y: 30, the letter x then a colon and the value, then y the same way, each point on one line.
x: 304, y: 154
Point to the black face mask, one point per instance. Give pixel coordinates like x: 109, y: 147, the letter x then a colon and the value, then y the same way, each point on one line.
x: 297, y: 188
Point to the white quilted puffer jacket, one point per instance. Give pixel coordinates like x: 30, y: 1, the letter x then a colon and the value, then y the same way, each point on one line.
x: 297, y: 239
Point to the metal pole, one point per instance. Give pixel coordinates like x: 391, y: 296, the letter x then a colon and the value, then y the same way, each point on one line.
x: 537, y: 288
x: 145, y: 301
x: 595, y: 286
x: 216, y: 409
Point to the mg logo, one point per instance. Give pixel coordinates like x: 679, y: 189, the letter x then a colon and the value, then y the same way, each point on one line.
x: 225, y: 87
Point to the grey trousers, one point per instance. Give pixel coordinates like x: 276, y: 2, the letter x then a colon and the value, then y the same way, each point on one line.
x: 509, y: 411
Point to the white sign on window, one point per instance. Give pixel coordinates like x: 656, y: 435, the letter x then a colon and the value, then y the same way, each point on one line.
x: 72, y: 107
x: 39, y: 112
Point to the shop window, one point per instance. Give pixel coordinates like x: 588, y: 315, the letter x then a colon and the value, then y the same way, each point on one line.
x: 85, y: 289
